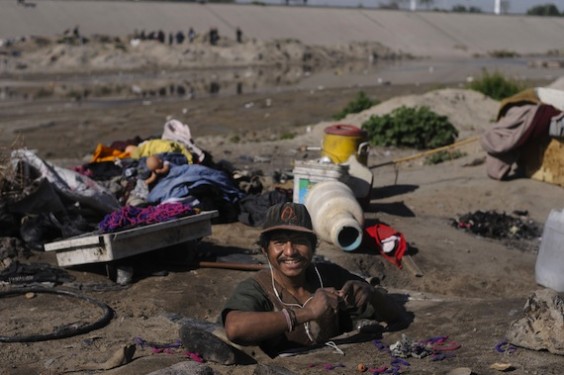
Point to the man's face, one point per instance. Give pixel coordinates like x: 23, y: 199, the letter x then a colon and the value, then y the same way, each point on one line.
x: 290, y: 252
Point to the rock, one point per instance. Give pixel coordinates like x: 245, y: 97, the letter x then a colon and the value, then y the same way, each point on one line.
x: 121, y: 356
x: 542, y: 328
x: 460, y: 371
x: 197, y: 338
x: 502, y: 366
x: 186, y: 368
x: 263, y: 369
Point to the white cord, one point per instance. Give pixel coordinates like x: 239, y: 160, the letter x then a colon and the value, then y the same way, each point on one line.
x: 332, y: 344
x: 278, y: 295
x: 306, y: 324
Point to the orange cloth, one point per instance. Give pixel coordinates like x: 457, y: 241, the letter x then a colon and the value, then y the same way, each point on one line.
x: 105, y: 153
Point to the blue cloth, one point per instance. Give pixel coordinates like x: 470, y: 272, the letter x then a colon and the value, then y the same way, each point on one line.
x: 182, y: 179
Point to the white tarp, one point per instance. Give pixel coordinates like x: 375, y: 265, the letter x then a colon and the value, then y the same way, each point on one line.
x: 69, y: 183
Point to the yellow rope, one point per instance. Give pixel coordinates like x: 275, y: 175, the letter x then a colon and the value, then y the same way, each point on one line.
x: 427, y: 153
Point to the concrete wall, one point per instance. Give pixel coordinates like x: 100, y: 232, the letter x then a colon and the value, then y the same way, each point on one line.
x: 419, y: 33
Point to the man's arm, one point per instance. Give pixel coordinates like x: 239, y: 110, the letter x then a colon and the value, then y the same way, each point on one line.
x: 252, y: 327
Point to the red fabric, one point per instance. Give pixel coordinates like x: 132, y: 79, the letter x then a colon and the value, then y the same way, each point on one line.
x: 379, y: 232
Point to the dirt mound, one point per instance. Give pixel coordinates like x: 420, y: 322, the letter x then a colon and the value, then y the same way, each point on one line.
x: 104, y: 53
x: 469, y: 111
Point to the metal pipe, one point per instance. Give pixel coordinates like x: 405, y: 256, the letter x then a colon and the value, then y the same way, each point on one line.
x: 231, y: 266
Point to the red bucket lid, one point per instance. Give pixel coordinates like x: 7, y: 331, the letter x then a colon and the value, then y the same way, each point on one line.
x: 345, y: 130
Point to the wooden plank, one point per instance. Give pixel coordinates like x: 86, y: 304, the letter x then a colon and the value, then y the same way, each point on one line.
x: 410, y: 264
x: 112, y: 246
x: 83, y: 256
x: 78, y: 242
x: 120, y: 247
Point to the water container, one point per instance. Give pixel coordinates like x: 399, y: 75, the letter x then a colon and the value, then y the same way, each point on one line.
x: 549, y: 268
x: 309, y: 172
x: 336, y: 214
x: 342, y: 140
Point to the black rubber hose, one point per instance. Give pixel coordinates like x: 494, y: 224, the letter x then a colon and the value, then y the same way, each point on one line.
x: 67, y: 331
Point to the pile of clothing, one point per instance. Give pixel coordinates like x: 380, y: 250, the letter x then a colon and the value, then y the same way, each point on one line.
x: 42, y: 202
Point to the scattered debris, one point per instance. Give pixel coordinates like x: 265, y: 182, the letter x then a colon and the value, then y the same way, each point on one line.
x: 496, y: 225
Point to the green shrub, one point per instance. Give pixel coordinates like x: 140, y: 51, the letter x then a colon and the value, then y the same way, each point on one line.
x: 443, y: 156
x: 358, y: 104
x: 416, y: 127
x: 543, y: 10
x: 287, y: 135
x: 496, y: 86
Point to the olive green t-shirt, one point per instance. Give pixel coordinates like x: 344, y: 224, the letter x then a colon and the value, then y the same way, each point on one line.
x: 250, y: 296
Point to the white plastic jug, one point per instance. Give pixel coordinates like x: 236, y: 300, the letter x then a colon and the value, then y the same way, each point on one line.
x: 335, y: 213
x: 549, y: 268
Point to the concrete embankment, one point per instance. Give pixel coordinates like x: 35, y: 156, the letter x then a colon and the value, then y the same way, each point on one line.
x: 418, y: 33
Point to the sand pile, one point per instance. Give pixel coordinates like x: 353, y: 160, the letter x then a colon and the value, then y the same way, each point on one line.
x: 469, y: 111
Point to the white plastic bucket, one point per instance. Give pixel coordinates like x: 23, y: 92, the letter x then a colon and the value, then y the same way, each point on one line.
x: 310, y: 172
x: 336, y: 215
x: 549, y: 268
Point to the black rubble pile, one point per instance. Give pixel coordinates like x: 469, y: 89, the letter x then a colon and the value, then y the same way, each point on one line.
x: 496, y: 225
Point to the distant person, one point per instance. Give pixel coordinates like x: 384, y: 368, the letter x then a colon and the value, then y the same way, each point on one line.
x: 170, y: 38
x: 191, y: 35
x: 179, y: 37
x: 214, y: 36
x: 239, y: 35
x: 161, y: 36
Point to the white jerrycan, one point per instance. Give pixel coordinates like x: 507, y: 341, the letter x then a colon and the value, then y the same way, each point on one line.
x: 549, y: 268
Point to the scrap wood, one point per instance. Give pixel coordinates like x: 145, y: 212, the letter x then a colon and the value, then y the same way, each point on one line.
x: 122, y: 356
x: 231, y: 265
x: 410, y: 264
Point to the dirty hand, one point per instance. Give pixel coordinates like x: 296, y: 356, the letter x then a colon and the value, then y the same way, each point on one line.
x: 355, y: 293
x: 324, y: 300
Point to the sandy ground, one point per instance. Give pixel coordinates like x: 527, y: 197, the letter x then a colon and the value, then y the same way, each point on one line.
x: 471, y: 289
